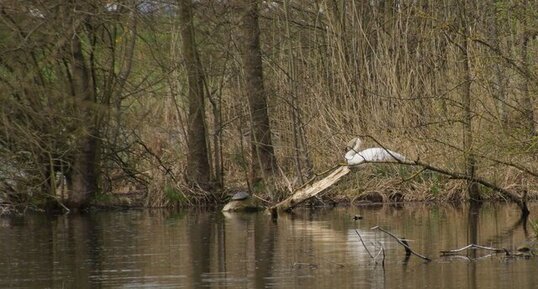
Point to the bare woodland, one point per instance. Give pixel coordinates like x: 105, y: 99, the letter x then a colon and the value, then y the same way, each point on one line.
x: 181, y: 102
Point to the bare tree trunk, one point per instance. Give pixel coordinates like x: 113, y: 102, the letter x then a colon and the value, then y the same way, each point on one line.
x: 83, y: 178
x: 303, y: 164
x: 263, y: 157
x: 198, y: 169
x: 500, y: 89
x: 468, y: 154
x: 127, y: 62
x: 527, y: 101
x: 217, y: 141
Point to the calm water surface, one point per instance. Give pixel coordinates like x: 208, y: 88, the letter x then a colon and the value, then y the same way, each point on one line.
x: 311, y: 249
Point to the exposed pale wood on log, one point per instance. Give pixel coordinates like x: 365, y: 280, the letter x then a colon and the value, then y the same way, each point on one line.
x: 311, y: 190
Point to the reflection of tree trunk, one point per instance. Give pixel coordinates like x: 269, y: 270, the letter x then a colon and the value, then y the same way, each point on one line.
x: 263, y: 156
x: 266, y: 236
x: 200, y: 238
x: 472, y: 233
x: 471, y: 274
x: 77, y: 229
x: 198, y: 171
x: 509, y: 232
x: 83, y: 181
x: 220, y: 235
x: 94, y: 236
x: 472, y: 238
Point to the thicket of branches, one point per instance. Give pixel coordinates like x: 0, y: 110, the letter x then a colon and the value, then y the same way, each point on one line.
x: 451, y: 82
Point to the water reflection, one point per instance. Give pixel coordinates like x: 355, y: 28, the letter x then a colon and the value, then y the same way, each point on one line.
x: 472, y: 238
x: 310, y: 249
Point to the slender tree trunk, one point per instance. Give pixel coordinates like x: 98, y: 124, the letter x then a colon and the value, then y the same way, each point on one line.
x: 263, y: 157
x: 500, y: 89
x: 468, y: 154
x: 527, y: 101
x: 198, y: 169
x: 217, y: 141
x: 303, y: 164
x: 126, y: 64
x: 83, y: 178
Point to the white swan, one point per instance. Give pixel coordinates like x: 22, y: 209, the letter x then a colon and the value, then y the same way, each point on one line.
x: 355, y: 157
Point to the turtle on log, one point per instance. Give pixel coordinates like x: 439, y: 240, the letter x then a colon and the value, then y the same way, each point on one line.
x: 242, y: 201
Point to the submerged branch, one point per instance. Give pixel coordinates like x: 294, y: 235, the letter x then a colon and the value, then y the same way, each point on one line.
x: 381, y: 251
x: 474, y: 246
x: 403, y: 243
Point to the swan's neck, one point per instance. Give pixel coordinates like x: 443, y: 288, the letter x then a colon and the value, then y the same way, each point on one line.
x: 350, y: 154
x: 354, y: 145
x: 357, y: 145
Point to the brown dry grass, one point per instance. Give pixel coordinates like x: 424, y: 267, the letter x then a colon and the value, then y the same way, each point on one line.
x: 395, y: 75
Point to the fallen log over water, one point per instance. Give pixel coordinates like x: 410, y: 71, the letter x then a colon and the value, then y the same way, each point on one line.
x: 309, y: 191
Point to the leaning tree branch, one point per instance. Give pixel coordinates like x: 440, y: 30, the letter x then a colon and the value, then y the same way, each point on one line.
x: 511, y: 62
x: 497, y: 161
x: 506, y: 163
x: 519, y: 200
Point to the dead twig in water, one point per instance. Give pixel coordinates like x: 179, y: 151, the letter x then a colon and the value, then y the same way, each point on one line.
x: 381, y: 251
x: 403, y: 243
x: 364, y: 245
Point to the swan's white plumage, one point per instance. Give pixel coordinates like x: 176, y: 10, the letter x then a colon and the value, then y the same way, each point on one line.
x: 355, y: 157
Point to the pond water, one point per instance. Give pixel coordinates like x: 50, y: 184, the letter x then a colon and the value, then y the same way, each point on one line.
x: 310, y: 249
